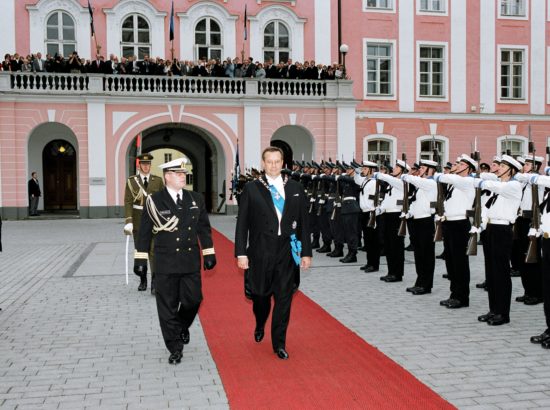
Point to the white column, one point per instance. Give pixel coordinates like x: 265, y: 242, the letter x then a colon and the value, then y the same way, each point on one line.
x: 322, y: 32
x: 458, y: 56
x: 252, y: 135
x: 7, y: 28
x: 487, y: 67
x: 407, y: 68
x: 97, y: 152
x: 346, y: 132
x: 537, y: 60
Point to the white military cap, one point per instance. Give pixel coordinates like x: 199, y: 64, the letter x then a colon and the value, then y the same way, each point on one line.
x: 403, y: 165
x: 369, y: 164
x: 176, y: 165
x: 510, y: 161
x: 428, y: 163
x: 538, y: 160
x: 521, y: 160
x: 468, y: 160
x: 497, y: 158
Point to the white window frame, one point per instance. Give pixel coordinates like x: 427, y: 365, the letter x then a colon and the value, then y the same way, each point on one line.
x: 385, y: 137
x: 512, y: 17
x: 445, y: 46
x: 276, y: 49
x: 60, y: 42
x: 208, y: 33
x: 520, y: 138
x: 390, y: 9
x: 444, y: 12
x: 393, y: 45
x: 438, y: 138
x: 136, y: 44
x: 525, y: 81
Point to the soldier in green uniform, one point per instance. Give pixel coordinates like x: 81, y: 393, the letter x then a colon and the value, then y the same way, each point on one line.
x: 138, y: 188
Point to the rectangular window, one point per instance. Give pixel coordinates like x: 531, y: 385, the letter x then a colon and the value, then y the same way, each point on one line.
x: 379, y: 69
x: 512, y: 8
x: 432, y: 5
x: 512, y: 147
x: 379, y: 151
x: 431, y: 71
x: 511, y: 74
x: 427, y: 148
x: 379, y: 4
x: 167, y: 157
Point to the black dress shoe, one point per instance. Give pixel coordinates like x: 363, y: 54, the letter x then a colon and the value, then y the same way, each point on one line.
x: 421, y: 291
x: 485, y: 317
x: 444, y: 302
x: 412, y: 288
x: 392, y: 278
x: 281, y: 353
x: 258, y: 335
x: 410, y: 248
x: 351, y: 257
x: 532, y: 300
x: 371, y: 269
x: 364, y: 267
x: 142, y: 284
x: 445, y: 276
x: 481, y: 285
x: 337, y: 253
x: 546, y: 344
x: 175, y: 358
x: 185, y: 336
x: 362, y: 249
x: 442, y: 256
x: 315, y: 244
x: 521, y: 299
x: 538, y: 339
x: 324, y: 249
x: 457, y: 304
x: 498, y: 320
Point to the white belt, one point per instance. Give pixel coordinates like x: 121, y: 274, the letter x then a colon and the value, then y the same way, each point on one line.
x: 349, y: 198
x: 455, y: 218
x: 498, y: 221
x: 421, y: 216
x: 138, y: 207
x: 393, y: 210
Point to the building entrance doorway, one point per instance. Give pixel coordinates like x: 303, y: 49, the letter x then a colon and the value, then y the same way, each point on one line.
x: 59, y: 175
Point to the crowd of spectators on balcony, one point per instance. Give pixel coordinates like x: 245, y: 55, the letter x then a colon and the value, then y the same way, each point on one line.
x: 232, y: 68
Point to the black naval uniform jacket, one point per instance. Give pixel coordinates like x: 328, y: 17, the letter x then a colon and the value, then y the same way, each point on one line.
x: 176, y: 251
x: 256, y: 234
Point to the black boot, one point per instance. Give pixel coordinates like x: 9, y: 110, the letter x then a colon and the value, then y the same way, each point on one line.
x: 143, y: 283
x: 325, y: 248
x: 315, y: 243
x: 338, y: 252
x: 351, y: 257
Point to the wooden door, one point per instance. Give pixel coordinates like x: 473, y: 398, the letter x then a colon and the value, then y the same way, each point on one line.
x: 59, y: 162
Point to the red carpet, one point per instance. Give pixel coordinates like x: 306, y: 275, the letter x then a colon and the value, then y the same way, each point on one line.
x: 329, y: 367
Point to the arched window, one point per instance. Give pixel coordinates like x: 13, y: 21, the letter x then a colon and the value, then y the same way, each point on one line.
x: 60, y: 34
x: 276, y: 42
x: 136, y: 37
x: 429, y: 144
x: 379, y: 150
x: 208, y: 39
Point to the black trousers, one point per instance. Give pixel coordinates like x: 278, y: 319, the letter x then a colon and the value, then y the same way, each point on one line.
x: 531, y: 274
x: 546, y: 280
x: 336, y: 227
x: 422, y: 237
x: 178, y: 299
x: 372, y: 242
x: 282, y: 286
x: 455, y: 239
x: 394, y: 244
x: 499, y: 283
x: 349, y: 226
x: 314, y: 227
x: 324, y: 226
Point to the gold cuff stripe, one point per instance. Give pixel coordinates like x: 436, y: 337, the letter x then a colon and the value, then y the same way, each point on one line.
x: 209, y: 251
x: 141, y: 255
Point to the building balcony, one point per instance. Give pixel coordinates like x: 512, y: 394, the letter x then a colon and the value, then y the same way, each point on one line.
x: 65, y: 84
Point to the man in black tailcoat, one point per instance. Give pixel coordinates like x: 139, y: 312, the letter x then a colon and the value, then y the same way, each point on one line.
x: 273, y: 217
x: 178, y: 220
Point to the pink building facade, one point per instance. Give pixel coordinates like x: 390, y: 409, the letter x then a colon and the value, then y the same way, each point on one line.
x: 451, y: 74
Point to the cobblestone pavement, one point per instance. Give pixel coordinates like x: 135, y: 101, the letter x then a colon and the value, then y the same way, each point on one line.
x: 74, y: 335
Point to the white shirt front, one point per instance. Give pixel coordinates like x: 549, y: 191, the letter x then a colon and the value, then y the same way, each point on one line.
x: 280, y: 186
x: 462, y: 197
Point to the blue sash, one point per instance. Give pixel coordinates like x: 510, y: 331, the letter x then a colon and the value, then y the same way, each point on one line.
x: 278, y: 199
x: 295, y: 244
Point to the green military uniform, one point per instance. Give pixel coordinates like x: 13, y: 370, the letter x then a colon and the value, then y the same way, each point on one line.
x: 135, y: 195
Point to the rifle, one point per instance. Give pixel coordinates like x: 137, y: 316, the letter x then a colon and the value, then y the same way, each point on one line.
x: 403, y: 225
x: 532, y: 255
x: 440, y: 204
x: 375, y: 200
x: 472, y: 242
x: 337, y: 201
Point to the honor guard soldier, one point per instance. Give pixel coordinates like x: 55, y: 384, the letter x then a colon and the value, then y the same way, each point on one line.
x: 459, y: 197
x: 369, y: 196
x: 530, y: 272
x: 178, y: 222
x: 394, y: 244
x: 501, y: 213
x: 138, y: 188
x: 543, y: 181
x: 324, y: 208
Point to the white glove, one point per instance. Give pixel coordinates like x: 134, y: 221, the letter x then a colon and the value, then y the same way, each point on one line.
x: 478, y: 183
x: 375, y: 175
x: 523, y: 178
x: 535, y: 232
x: 378, y: 211
x: 474, y: 229
x: 438, y: 218
x: 404, y: 177
x: 533, y: 179
x: 407, y: 215
x: 128, y: 228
